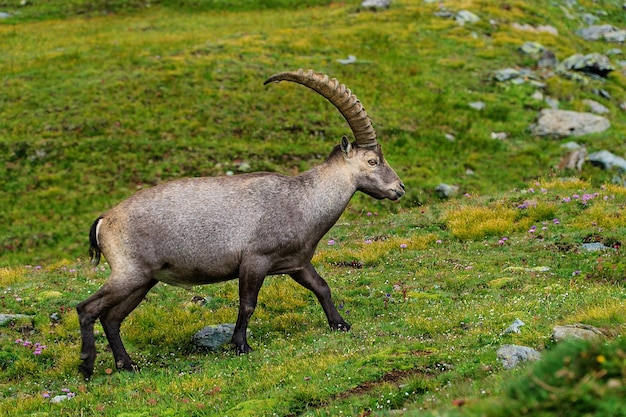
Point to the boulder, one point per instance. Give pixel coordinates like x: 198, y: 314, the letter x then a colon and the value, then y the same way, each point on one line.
x: 576, y: 331
x: 594, y: 64
x: 6, y: 318
x: 607, y: 160
x: 595, y: 32
x: 564, y: 123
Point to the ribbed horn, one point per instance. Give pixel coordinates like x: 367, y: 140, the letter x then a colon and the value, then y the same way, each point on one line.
x: 341, y: 97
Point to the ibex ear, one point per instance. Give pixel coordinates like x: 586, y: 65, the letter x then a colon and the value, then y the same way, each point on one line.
x: 346, y: 146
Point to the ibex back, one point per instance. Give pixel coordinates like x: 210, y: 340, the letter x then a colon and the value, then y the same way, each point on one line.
x: 198, y: 231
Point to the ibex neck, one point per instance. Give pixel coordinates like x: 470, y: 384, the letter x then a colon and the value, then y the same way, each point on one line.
x: 328, y: 189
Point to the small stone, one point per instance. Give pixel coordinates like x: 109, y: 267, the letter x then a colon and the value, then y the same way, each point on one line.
x: 499, y: 135
x: 376, y: 4
x: 506, y: 74
x: 570, y: 146
x: 552, y: 102
x: 213, y: 337
x: 514, y: 327
x: 477, y: 105
x: 59, y: 398
x: 532, y: 48
x: 4, y: 15
x: 595, y: 107
x: 446, y: 191
x: 547, y: 60
x: 350, y: 60
x: 465, y: 16
x: 537, y: 95
x: 512, y: 355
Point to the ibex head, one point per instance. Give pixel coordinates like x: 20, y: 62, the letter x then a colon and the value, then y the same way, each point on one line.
x: 372, y: 174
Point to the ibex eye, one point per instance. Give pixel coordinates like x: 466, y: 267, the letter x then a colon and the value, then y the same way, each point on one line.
x: 372, y: 162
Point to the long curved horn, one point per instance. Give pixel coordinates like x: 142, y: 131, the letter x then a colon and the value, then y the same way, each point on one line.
x: 341, y: 97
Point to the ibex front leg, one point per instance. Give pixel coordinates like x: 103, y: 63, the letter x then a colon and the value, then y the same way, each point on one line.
x: 250, y: 282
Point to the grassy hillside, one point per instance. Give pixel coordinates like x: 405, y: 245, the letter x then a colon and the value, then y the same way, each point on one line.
x: 95, y: 108
x: 102, y: 98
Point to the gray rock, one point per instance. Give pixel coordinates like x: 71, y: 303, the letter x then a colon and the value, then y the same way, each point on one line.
x: 445, y: 13
x: 5, y: 318
x: 552, y: 102
x: 576, y: 331
x: 596, y: 32
x: 595, y: 107
x: 4, y: 15
x: 350, y: 60
x: 59, y: 398
x: 213, y: 337
x: 607, y: 160
x: 465, y: 16
x: 532, y: 48
x: 541, y: 28
x: 564, y: 123
x: 547, y: 60
x: 593, y: 64
x: 499, y: 135
x: 376, y: 4
x: 589, y: 19
x: 617, y: 36
x: 477, y: 105
x: 514, y: 327
x: 512, y: 355
x: 594, y: 247
x: 446, y: 191
x: 506, y: 74
x: 602, y: 93
x: 570, y: 146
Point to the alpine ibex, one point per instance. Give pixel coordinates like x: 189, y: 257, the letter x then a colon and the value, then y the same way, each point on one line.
x: 198, y: 231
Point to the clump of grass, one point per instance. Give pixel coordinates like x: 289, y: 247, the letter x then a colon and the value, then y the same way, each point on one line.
x: 9, y: 276
x: 370, y: 251
x: 475, y: 222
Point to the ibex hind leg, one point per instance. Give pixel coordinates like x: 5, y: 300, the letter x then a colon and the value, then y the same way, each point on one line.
x: 115, y: 291
x: 310, y: 279
x: 112, y: 319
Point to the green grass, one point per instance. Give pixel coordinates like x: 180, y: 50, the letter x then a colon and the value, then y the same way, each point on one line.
x: 101, y: 99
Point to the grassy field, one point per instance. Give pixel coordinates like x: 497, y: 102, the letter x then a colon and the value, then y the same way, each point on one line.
x: 101, y: 99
